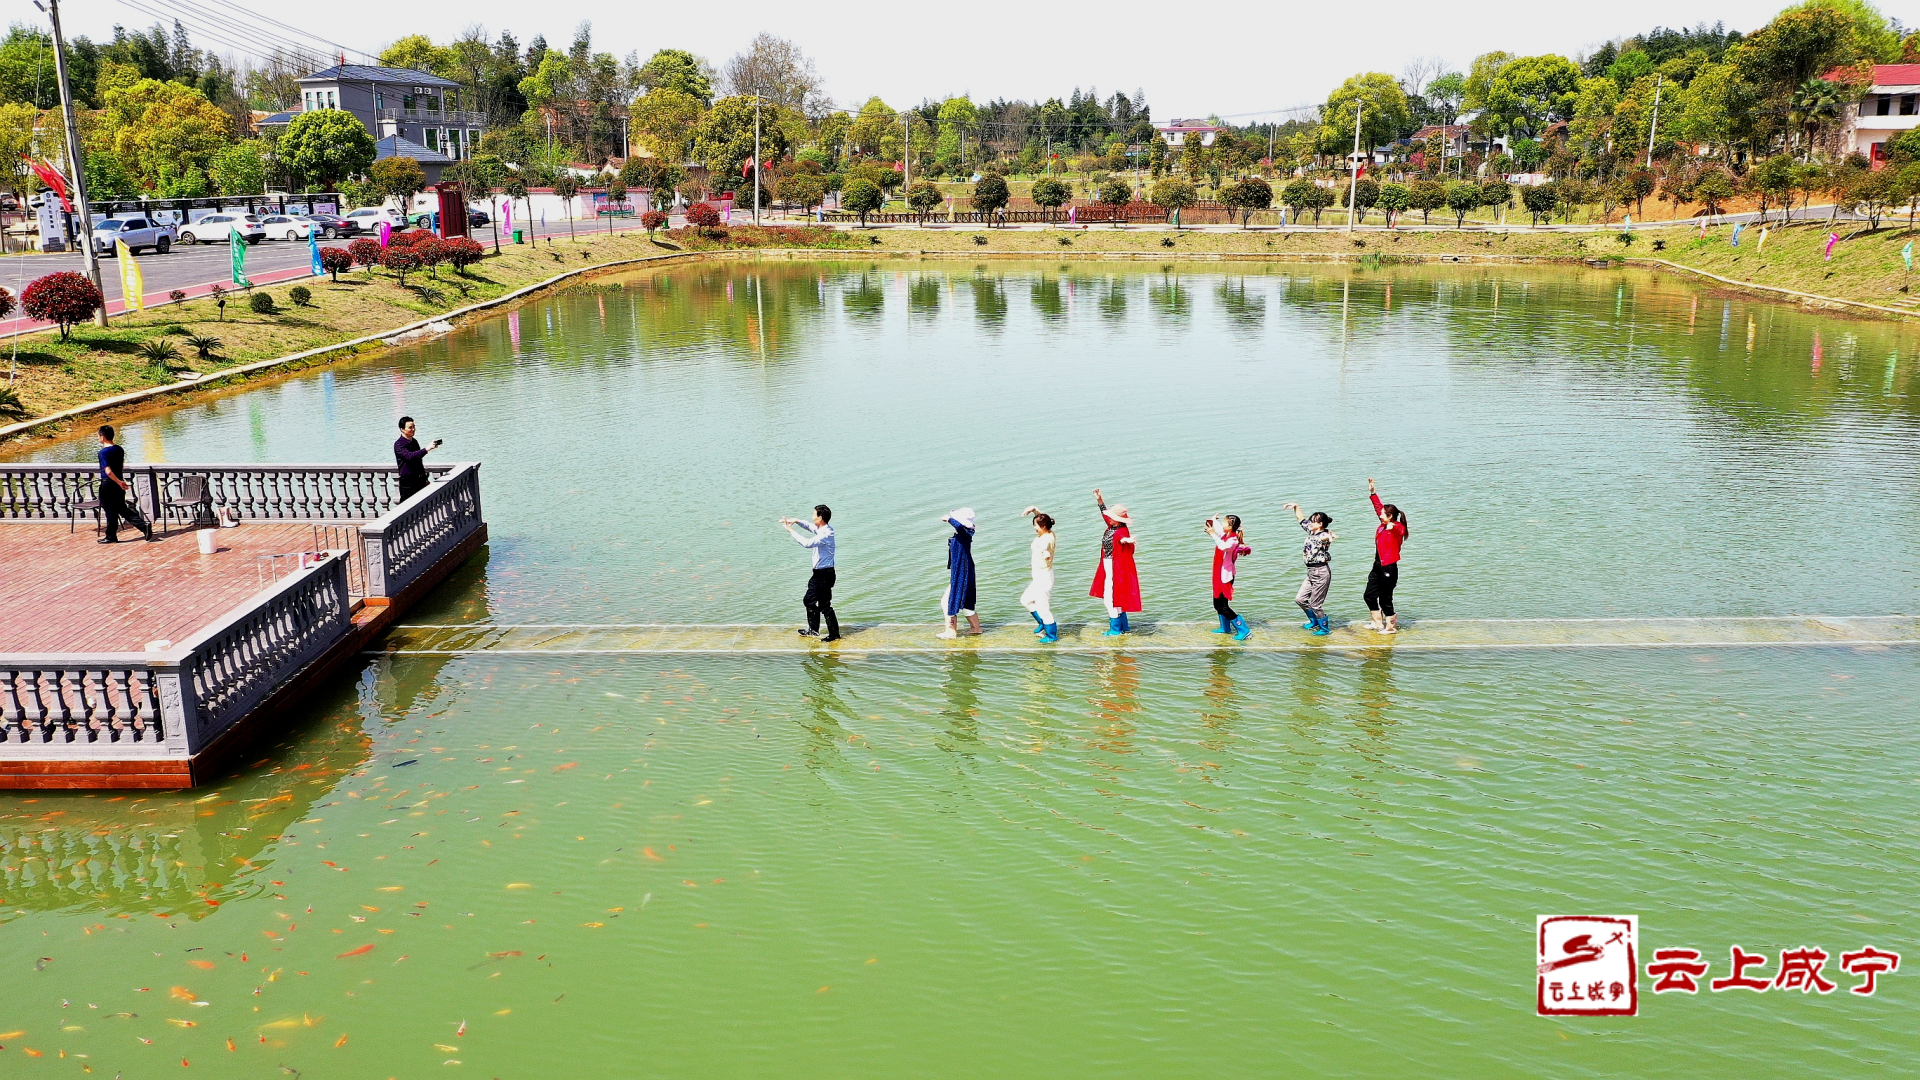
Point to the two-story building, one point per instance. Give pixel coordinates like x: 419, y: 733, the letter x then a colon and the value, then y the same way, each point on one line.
x: 410, y: 113
x: 1889, y: 108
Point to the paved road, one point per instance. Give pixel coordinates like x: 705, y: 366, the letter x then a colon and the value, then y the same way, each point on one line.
x: 194, y: 270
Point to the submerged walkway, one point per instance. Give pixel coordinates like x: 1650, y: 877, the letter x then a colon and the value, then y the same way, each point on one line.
x: 1422, y: 636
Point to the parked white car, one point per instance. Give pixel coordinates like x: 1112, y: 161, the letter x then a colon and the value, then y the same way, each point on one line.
x: 370, y: 218
x: 216, y: 228
x: 284, y: 227
x: 137, y: 231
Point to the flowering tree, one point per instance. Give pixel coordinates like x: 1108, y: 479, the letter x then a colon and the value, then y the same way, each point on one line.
x: 65, y: 298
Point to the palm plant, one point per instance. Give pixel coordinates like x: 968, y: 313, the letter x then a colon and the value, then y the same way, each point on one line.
x: 1813, y: 103
x: 160, y: 352
x: 205, y: 344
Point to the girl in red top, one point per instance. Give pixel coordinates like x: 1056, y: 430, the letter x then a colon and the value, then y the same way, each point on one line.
x: 1229, y: 543
x: 1116, y: 583
x: 1386, y: 561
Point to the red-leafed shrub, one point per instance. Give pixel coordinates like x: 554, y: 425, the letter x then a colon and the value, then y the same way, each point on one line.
x: 402, y: 261
x: 432, y: 252
x: 653, y: 219
x: 463, y: 252
x: 65, y: 298
x: 702, y: 216
x: 409, y: 238
x: 334, y: 260
x: 365, y: 252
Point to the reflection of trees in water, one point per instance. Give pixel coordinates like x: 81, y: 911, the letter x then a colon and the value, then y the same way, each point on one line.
x: 1113, y: 299
x: 1245, y: 311
x: 923, y: 293
x: 864, y: 295
x: 989, y: 300
x: 1170, y: 298
x: 1046, y: 298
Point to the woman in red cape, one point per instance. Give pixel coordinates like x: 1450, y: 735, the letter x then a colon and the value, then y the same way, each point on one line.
x: 1115, y: 582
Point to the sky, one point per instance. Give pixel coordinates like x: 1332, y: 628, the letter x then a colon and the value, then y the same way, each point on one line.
x: 1234, y: 58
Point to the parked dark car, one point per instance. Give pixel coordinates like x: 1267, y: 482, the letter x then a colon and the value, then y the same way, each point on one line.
x: 330, y: 225
x: 431, y: 219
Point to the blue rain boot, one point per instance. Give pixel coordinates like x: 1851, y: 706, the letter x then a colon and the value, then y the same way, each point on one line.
x: 1124, y: 628
x: 1321, y: 628
x: 1240, y: 630
x: 1311, y: 622
x: 1039, y: 627
x: 1225, y: 628
x: 1113, y: 628
x: 1052, y: 635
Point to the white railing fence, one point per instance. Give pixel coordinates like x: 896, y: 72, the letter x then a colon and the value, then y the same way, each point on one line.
x: 34, y: 491
x: 404, y: 543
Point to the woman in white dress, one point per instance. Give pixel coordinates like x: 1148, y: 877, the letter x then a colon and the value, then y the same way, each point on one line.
x: 1038, y: 598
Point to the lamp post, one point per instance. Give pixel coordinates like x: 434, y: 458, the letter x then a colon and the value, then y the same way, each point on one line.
x: 1353, y: 185
x: 756, y: 159
x: 74, y: 160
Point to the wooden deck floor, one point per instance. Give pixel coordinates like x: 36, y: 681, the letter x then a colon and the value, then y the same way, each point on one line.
x: 66, y: 593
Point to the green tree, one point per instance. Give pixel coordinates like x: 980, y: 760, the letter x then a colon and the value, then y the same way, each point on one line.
x: 1363, y: 195
x: 989, y: 195
x: 1636, y: 185
x: 26, y: 68
x: 1771, y: 182
x: 723, y: 141
x: 1496, y: 194
x: 923, y: 198
x: 565, y: 186
x: 399, y: 179
x: 1462, y: 198
x: 677, y: 71
x: 1906, y: 189
x: 875, y: 121
x: 862, y: 196
x: 1176, y: 193
x: 1873, y: 191
x: 326, y: 147
x: 807, y: 190
x: 664, y: 122
x: 1115, y: 191
x: 1384, y: 114
x: 162, y: 130
x: 1394, y: 199
x: 1426, y: 196
x: 1050, y: 194
x: 958, y: 119
x: 1591, y: 128
x: 1540, y: 200
x: 419, y: 53
x: 240, y: 168
x: 1714, y: 187
x: 1532, y: 91
x: 1247, y: 195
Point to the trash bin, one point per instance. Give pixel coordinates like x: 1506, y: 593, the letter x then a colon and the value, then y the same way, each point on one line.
x: 519, y: 237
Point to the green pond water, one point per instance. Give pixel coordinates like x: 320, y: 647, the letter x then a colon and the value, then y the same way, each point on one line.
x: 1056, y: 865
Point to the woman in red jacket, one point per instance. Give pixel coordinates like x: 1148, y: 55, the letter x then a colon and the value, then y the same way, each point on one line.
x: 1387, y: 539
x: 1116, y: 583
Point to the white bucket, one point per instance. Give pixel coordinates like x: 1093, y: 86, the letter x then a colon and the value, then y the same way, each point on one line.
x: 208, y: 539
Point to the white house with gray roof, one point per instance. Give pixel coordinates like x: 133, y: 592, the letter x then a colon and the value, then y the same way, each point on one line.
x: 410, y: 113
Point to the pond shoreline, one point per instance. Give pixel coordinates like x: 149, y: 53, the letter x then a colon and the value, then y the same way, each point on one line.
x: 168, y: 395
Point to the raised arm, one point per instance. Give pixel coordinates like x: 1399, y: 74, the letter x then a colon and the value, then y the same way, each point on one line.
x: 1298, y: 514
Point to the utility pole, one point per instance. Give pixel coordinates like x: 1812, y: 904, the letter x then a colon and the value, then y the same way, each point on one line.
x: 756, y: 159
x: 74, y: 160
x: 906, y: 178
x: 1353, y: 185
x: 1655, y: 126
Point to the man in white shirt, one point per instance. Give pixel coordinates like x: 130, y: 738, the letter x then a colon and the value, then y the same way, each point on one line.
x: 819, y: 598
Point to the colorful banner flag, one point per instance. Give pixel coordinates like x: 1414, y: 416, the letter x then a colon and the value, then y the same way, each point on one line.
x: 1703, y: 228
x: 1762, y: 245
x: 1628, y: 223
x: 1906, y: 256
x: 238, y: 247
x: 1736, y: 233
x: 133, y: 284
x: 1832, y: 239
x: 506, y: 216
x: 313, y: 253
x: 386, y: 233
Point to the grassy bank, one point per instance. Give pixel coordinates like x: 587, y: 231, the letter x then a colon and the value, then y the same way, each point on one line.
x: 52, y: 375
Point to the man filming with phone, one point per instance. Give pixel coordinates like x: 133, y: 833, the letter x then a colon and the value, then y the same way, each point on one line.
x: 412, y: 459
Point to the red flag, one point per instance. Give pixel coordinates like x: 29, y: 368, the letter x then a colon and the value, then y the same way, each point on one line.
x: 51, y: 177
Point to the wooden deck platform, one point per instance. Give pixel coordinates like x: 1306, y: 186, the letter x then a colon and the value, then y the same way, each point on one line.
x: 1148, y: 636
x: 64, y: 592
x: 150, y: 664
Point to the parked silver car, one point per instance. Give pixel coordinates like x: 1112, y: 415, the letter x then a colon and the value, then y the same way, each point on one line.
x: 135, y: 231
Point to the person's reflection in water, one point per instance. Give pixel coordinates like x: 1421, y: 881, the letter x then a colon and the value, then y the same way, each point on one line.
x: 1222, y: 713
x: 1040, y: 683
x: 821, y: 749
x: 1374, y: 717
x: 962, y: 691
x: 1115, y: 700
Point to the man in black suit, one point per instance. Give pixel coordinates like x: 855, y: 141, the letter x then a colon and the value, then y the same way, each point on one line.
x: 412, y: 459
x: 114, y: 489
